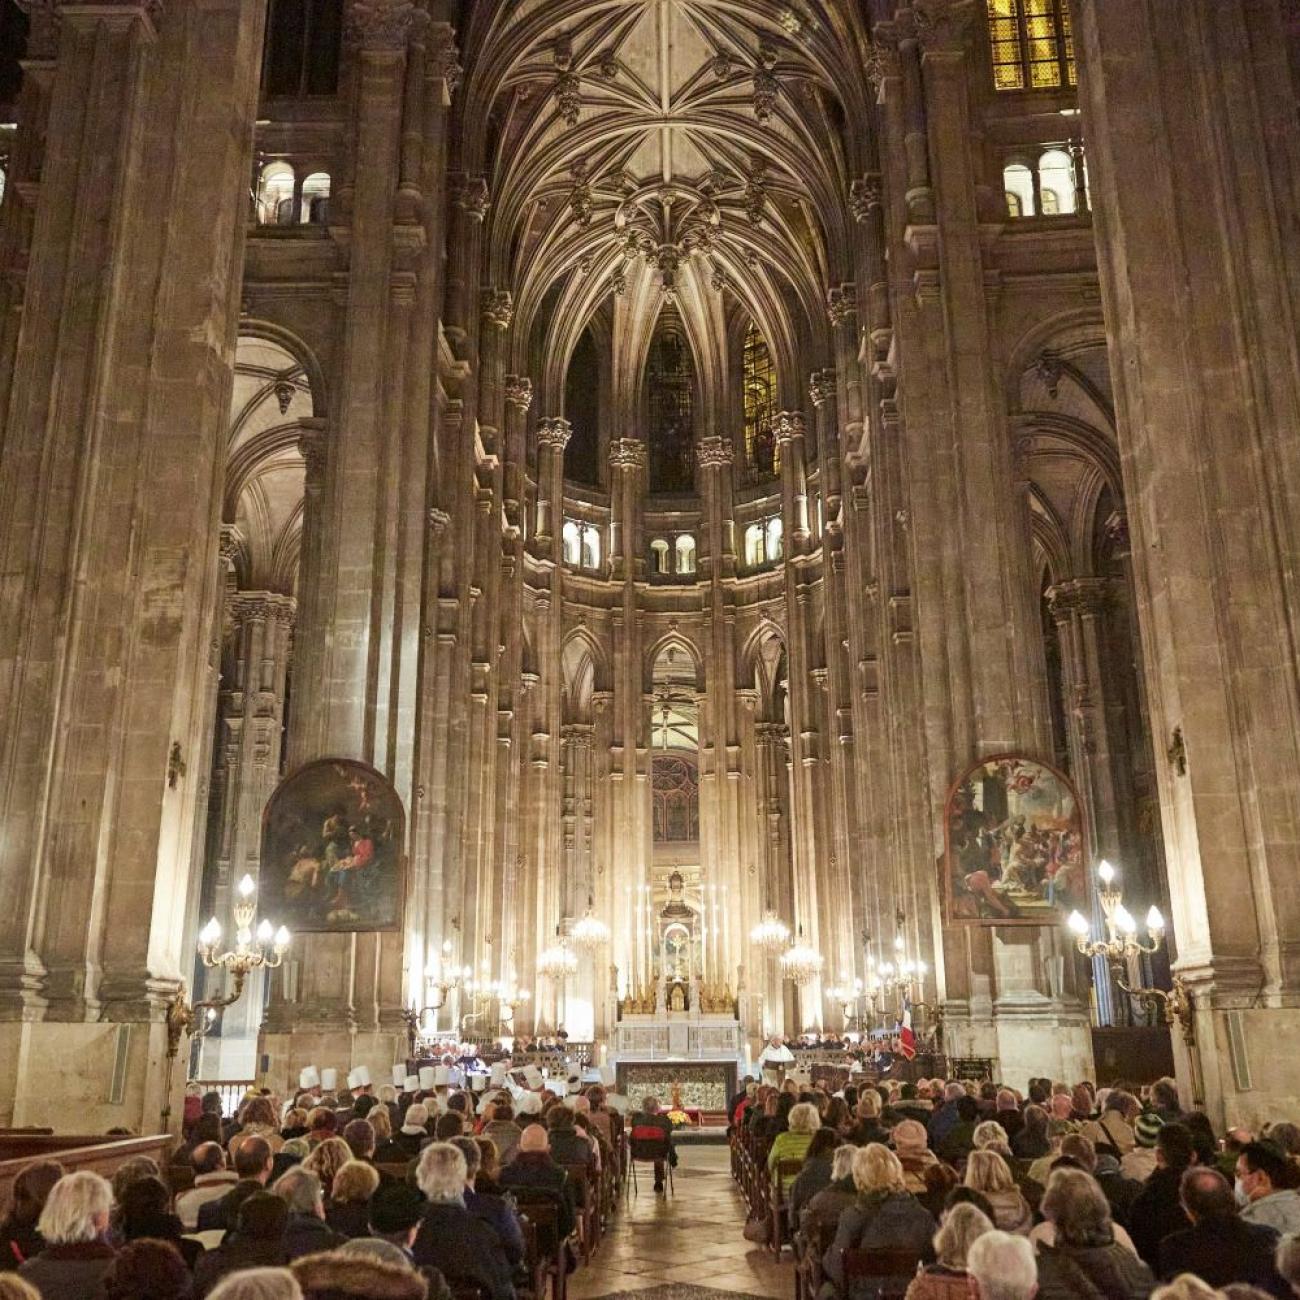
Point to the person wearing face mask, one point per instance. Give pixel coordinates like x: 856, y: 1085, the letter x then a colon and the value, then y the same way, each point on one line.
x: 1220, y: 1247
x: 1265, y: 1187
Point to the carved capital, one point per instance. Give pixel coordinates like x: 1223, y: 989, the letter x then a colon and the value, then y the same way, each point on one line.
x: 882, y: 64
x: 788, y: 425
x: 444, y: 58
x: 713, y: 451
x: 471, y: 195
x: 519, y: 392
x: 627, y: 453
x: 312, y: 449
x: 229, y: 544
x: 498, y: 308
x: 942, y: 24
x: 865, y: 194
x: 1087, y: 597
x: 841, y: 303
x: 379, y: 26
x: 821, y: 386
x: 244, y: 607
x: 439, y: 522
x: 554, y: 431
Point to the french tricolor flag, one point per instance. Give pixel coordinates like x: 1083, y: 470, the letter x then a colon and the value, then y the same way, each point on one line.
x: 906, y: 1038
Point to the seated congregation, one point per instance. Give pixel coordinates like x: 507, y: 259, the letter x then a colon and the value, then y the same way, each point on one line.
x: 424, y: 1196
x: 957, y: 1191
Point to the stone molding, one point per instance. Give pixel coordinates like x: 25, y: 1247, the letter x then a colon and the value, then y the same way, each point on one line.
x: 444, y: 57
x: 498, y: 308
x: 821, y: 386
x: 375, y: 26
x: 471, y: 195
x: 865, y: 194
x: 788, y: 425
x: 1085, y: 596
x: 260, y: 607
x: 841, y: 303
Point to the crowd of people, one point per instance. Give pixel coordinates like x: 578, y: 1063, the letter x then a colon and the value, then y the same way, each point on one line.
x: 975, y: 1192
x: 411, y: 1196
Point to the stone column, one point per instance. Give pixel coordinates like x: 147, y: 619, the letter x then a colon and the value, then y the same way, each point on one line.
x: 249, y: 732
x: 109, y: 472
x: 1195, y: 208
x: 553, y: 436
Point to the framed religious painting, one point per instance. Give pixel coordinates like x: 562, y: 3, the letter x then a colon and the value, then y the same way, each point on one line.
x: 1015, y: 850
x: 332, y: 849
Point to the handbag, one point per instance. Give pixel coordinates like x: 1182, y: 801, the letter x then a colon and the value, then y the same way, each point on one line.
x: 756, y: 1229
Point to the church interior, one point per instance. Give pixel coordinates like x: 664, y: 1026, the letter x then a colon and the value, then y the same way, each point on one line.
x: 643, y: 529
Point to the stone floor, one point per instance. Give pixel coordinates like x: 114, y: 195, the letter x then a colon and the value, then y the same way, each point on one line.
x: 683, y: 1247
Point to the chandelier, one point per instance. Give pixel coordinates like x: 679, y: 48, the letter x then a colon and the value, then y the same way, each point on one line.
x: 590, y: 932
x: 801, y: 963
x: 771, y: 933
x: 264, y: 947
x: 1121, y: 939
x: 557, y: 962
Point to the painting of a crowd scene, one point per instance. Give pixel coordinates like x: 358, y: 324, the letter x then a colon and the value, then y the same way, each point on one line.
x: 332, y: 838
x: 1014, y: 845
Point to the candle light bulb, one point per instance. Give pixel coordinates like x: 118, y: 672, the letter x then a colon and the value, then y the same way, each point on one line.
x: 264, y: 932
x: 211, y: 933
x: 1124, y: 919
x: 1077, y: 924
x: 246, y: 887
x: 1155, y: 922
x: 1105, y: 872
x: 282, y: 938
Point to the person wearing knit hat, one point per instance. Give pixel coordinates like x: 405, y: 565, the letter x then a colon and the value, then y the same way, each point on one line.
x: 1140, y: 1163
x: 910, y: 1146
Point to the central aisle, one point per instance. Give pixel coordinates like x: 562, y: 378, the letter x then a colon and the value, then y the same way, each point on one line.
x: 683, y: 1247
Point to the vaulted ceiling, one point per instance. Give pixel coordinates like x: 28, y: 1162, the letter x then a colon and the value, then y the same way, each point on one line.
x: 640, y: 151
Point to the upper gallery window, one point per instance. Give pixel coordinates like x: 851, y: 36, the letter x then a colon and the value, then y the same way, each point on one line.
x: 1054, y: 184
x: 1032, y: 44
x: 580, y: 544
x: 762, y: 454
x: 672, y: 557
x: 670, y: 388
x: 764, y: 543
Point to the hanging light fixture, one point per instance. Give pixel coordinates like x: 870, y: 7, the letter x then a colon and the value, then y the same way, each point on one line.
x: 801, y: 963
x: 771, y: 933
x: 589, y: 932
x: 558, y: 961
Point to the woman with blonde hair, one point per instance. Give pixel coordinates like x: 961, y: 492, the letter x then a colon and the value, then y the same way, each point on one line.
x: 326, y: 1160
x: 793, y: 1144
x: 988, y: 1172
x: 886, y: 1216
x: 258, y: 1284
x: 947, y: 1279
x: 257, y: 1119
x: 348, y: 1209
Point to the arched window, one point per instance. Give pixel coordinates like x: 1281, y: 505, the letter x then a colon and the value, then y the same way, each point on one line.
x: 675, y: 783
x: 316, y: 199
x: 762, y: 452
x: 670, y: 388
x: 582, y: 410
x: 572, y: 540
x: 1032, y: 44
x: 659, y: 556
x: 775, y: 539
x: 275, y: 195
x: 1018, y: 182
x: 590, y: 547
x: 755, y: 553
x: 1056, y: 181
x: 685, y: 553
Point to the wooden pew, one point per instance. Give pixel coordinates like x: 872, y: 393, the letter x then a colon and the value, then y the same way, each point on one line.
x: 75, y: 1152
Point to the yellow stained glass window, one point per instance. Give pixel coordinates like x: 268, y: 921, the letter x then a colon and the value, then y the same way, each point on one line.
x: 1031, y: 43
x: 761, y: 449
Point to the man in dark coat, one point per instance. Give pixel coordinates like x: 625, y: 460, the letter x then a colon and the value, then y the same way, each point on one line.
x: 1158, y: 1211
x: 534, y: 1168
x: 1220, y: 1247
x: 256, y: 1241
x: 253, y: 1164
x: 450, y: 1239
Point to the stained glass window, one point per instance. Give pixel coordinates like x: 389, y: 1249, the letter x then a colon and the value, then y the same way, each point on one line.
x: 1032, y: 44
x: 676, y: 786
x: 670, y: 383
x: 762, y: 451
